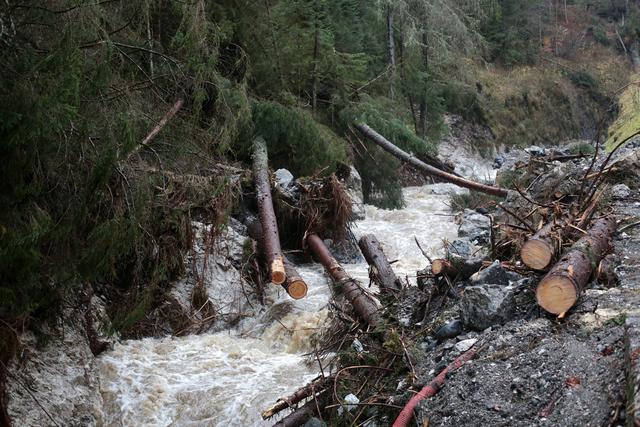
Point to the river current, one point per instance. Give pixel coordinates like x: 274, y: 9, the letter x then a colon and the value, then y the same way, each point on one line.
x: 227, y: 378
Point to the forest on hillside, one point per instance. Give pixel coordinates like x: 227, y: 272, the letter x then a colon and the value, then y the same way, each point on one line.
x: 84, y: 200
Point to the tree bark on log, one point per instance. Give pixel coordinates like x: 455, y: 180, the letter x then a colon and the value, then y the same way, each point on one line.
x: 560, y: 289
x: 270, y: 237
x: 294, y: 284
x: 363, y: 303
x: 539, y: 251
x: 461, y: 268
x: 425, y: 168
x: 314, y: 387
x: 383, y: 274
x: 303, y: 413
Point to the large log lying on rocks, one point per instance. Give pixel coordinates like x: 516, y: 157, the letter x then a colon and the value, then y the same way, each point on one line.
x: 539, y: 251
x: 314, y: 387
x: 385, y: 278
x: 425, y: 168
x: 363, y: 303
x: 270, y: 237
x: 560, y: 289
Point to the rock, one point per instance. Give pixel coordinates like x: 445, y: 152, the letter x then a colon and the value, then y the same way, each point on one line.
x: 315, y: 422
x: 464, y: 345
x: 218, y: 270
x: 445, y: 189
x: 61, y: 377
x: 627, y: 168
x: 483, y: 306
x: 283, y: 177
x: 461, y: 248
x: 353, y: 184
x: 449, y: 330
x: 474, y: 226
x: 534, y: 150
x: 620, y: 191
x: 495, y: 274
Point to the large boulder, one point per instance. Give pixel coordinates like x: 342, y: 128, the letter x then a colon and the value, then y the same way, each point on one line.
x: 484, y: 306
x: 353, y: 184
x: 212, y: 284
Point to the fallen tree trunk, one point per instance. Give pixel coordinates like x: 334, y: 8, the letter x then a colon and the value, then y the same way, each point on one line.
x: 294, y: 284
x: 270, y: 237
x: 363, y: 303
x: 560, y: 289
x: 314, y: 387
x: 301, y: 415
x: 422, y: 166
x: 384, y: 276
x: 455, y: 267
x: 539, y: 251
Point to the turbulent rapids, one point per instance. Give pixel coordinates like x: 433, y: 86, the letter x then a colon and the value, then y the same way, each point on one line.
x: 226, y: 378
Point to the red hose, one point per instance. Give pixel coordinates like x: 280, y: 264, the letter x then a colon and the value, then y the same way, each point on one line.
x: 431, y: 389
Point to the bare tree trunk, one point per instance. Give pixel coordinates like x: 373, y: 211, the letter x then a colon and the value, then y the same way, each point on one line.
x: 316, y: 52
x: 363, y: 303
x: 391, y: 48
x: 560, y: 289
x: 270, y: 237
x: 381, y: 270
x: 422, y: 120
x: 429, y: 170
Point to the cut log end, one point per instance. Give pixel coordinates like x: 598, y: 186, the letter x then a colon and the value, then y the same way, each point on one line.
x: 278, y: 275
x: 441, y: 266
x: 556, y: 294
x: 297, y: 289
x: 537, y: 254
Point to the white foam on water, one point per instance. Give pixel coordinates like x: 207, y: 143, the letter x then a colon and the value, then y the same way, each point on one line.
x: 227, y: 378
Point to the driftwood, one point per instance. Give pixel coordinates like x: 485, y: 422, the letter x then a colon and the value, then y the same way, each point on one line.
x: 456, y: 267
x: 270, y: 237
x: 301, y: 415
x: 383, y: 274
x: 425, y: 168
x: 560, y: 289
x: 363, y: 303
x: 539, y: 251
x: 314, y: 387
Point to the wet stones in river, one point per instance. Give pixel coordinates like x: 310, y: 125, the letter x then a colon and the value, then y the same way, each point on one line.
x: 483, y: 306
x: 474, y: 226
x: 462, y: 248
